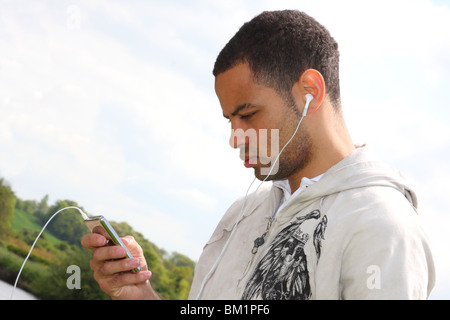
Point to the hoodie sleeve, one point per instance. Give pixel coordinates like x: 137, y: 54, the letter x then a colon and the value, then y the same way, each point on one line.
x: 386, y: 253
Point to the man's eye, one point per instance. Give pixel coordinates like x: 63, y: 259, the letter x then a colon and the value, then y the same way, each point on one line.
x: 247, y: 116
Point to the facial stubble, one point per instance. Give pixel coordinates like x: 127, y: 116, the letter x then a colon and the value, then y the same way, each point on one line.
x: 297, y: 154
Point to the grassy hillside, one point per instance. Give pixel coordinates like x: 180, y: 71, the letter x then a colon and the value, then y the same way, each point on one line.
x: 23, y: 221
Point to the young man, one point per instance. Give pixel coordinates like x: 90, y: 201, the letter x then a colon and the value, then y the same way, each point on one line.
x: 334, y: 224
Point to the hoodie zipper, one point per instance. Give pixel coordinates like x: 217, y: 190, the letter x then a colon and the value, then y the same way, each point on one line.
x: 257, y: 243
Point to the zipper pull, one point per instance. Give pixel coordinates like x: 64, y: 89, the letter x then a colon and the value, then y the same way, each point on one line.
x: 260, y: 240
x: 257, y: 243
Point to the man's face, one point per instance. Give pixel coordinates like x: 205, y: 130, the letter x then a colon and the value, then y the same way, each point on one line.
x: 262, y: 123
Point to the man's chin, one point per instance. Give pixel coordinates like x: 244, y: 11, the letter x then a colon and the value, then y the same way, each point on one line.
x: 265, y: 174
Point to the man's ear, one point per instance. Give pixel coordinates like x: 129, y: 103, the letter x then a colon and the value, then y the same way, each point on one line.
x: 311, y: 81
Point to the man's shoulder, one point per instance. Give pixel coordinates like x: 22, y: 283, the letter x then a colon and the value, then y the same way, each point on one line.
x: 374, y: 211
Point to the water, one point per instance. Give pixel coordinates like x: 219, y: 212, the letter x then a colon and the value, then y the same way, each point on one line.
x: 19, y: 294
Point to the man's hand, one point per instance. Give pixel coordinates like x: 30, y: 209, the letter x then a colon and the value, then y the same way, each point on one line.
x: 114, y: 273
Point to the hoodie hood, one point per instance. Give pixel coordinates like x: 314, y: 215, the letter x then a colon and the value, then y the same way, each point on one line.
x: 358, y: 170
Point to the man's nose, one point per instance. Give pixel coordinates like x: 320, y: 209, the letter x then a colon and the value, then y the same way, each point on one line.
x: 238, y: 138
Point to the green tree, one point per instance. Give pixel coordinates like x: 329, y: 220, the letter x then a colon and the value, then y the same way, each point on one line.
x: 42, y: 209
x: 180, y: 281
x: 7, y: 204
x: 181, y: 260
x: 67, y: 225
x: 27, y: 206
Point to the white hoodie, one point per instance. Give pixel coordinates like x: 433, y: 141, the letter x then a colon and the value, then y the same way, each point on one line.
x: 354, y: 234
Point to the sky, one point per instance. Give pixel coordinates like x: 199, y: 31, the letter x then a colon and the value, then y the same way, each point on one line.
x: 112, y: 104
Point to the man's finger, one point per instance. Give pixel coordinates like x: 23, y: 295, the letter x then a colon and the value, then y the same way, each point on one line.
x: 93, y: 240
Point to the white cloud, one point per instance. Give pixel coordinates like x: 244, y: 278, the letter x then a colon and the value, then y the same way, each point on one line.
x: 200, y: 200
x: 394, y: 128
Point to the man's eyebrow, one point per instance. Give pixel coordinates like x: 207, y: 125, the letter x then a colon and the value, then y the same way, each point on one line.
x: 240, y: 108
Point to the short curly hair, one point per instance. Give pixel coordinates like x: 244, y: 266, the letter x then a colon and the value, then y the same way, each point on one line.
x: 279, y: 46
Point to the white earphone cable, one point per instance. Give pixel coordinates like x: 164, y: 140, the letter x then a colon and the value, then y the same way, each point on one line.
x: 34, y: 243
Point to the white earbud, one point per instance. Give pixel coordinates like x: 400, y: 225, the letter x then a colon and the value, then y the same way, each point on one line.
x: 309, y: 97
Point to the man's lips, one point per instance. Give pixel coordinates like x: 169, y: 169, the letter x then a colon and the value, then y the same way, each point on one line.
x: 251, y: 158
x: 250, y: 162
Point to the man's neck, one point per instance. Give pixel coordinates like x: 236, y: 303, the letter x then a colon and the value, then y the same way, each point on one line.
x: 320, y: 163
x: 331, y: 142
